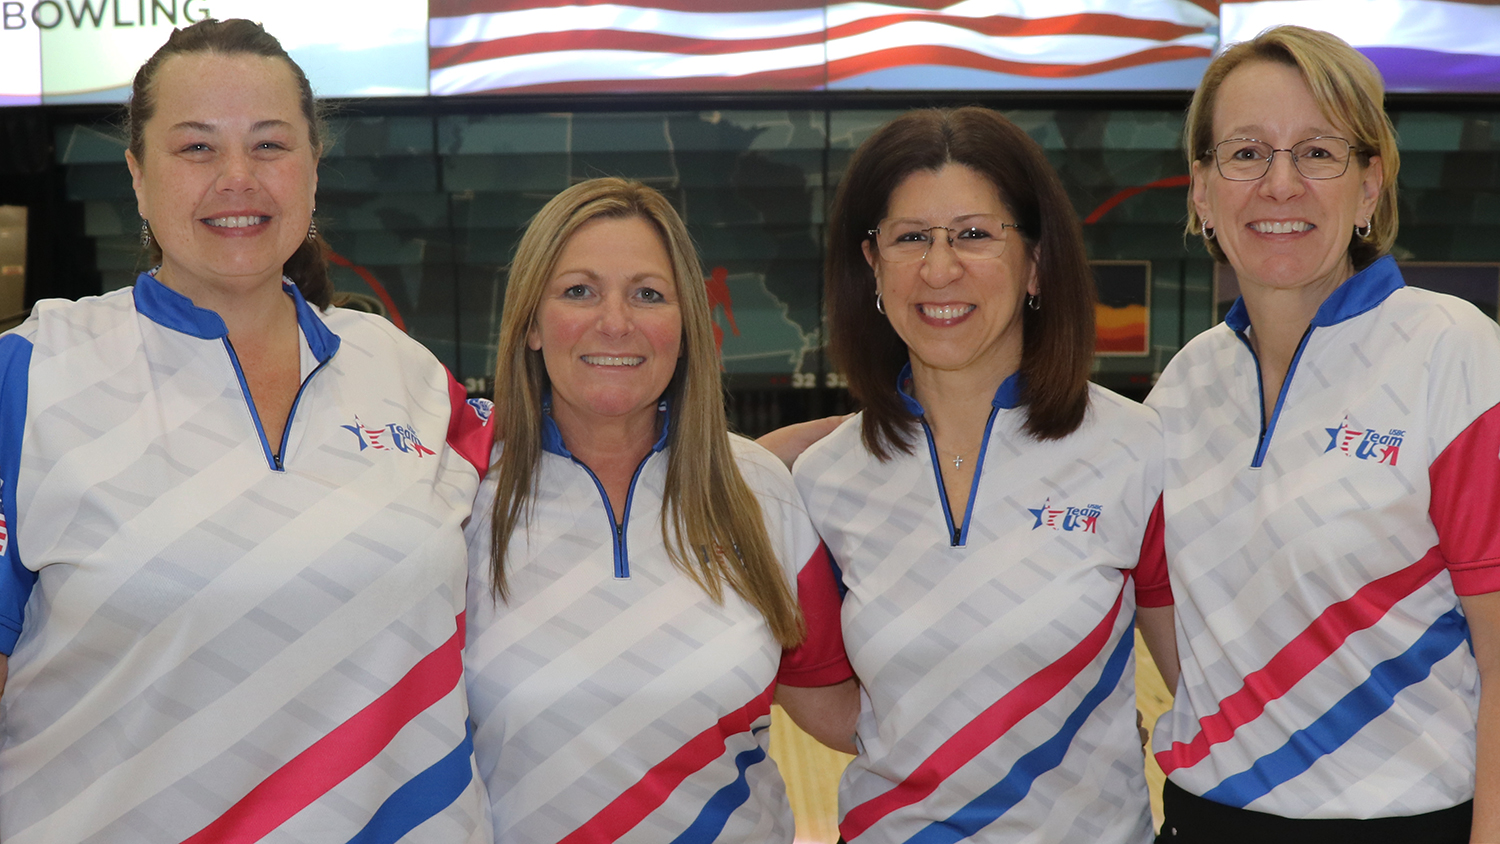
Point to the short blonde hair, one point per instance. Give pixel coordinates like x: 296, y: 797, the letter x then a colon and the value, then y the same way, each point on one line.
x: 1348, y: 90
x: 706, y: 504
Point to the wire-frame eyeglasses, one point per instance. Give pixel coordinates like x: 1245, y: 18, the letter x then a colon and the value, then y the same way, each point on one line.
x: 980, y: 236
x: 1247, y: 159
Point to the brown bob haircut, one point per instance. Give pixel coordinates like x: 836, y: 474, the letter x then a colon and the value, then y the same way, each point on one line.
x: 1348, y: 90
x: 1057, y: 340
x: 308, y: 266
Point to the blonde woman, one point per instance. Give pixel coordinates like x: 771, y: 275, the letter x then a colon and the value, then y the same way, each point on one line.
x: 1330, y: 486
x: 643, y: 585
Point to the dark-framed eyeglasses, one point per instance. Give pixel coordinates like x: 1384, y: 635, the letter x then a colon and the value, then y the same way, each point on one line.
x: 1247, y: 159
x: 979, y: 237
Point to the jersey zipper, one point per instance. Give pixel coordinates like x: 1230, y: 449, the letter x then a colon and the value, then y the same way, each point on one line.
x: 617, y: 530
x: 277, y: 459
x: 1268, y: 425
x: 959, y: 536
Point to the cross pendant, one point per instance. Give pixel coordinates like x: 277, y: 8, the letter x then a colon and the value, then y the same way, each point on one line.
x: 958, y: 460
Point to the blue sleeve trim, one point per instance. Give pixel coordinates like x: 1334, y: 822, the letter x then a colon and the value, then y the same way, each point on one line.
x: 16, y: 581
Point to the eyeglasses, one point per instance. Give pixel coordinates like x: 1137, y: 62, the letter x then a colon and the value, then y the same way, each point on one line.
x: 982, y: 237
x: 1246, y: 159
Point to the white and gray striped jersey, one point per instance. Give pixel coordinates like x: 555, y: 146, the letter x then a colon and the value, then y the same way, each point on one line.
x: 212, y: 640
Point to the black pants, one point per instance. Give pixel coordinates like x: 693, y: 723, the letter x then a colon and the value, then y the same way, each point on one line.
x: 1190, y: 819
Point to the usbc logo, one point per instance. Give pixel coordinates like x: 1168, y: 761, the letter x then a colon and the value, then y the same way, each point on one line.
x: 1084, y: 519
x: 1367, y: 444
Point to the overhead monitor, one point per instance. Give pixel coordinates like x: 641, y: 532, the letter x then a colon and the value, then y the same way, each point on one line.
x: 564, y: 46
x: 87, y: 51
x: 1420, y: 46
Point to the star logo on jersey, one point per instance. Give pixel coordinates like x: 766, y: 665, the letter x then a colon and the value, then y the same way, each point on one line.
x: 1070, y: 519
x: 391, y: 437
x: 1367, y: 444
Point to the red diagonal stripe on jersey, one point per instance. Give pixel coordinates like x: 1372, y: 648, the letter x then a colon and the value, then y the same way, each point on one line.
x: 331, y: 759
x: 1298, y: 658
x: 954, y: 57
x: 643, y: 798
x: 984, y: 730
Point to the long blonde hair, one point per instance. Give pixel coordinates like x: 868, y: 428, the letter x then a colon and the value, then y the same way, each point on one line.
x: 706, y: 505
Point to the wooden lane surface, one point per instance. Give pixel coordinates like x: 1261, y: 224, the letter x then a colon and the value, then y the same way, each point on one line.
x: 812, y: 771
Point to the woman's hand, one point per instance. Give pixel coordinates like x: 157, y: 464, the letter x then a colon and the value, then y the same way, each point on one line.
x: 789, y: 442
x: 827, y: 713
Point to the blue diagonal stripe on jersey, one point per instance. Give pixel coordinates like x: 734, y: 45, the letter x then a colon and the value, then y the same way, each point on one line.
x: 1347, y: 717
x: 422, y: 796
x: 1000, y: 797
x: 715, y: 813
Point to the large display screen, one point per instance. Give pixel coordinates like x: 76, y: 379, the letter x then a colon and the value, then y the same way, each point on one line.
x: 487, y: 46
x: 85, y: 51
x: 1421, y: 46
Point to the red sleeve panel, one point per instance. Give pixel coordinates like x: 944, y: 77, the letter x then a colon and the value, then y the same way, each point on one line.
x: 1465, y: 505
x: 469, y: 430
x: 820, y: 659
x: 1152, y: 588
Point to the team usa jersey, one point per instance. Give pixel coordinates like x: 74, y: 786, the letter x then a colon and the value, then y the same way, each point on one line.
x: 613, y: 700
x: 209, y: 643
x: 1317, y: 557
x: 996, y: 653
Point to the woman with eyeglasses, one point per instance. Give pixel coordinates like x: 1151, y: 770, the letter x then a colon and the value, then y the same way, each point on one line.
x: 987, y: 508
x: 1331, y: 486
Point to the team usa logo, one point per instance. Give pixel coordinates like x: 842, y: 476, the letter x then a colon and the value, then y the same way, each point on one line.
x: 1367, y: 444
x: 1084, y: 519
x: 392, y: 437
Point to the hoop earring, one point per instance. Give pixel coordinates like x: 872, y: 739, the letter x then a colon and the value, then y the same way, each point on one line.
x: 1363, y: 235
x: 879, y: 305
x: 1207, y: 230
x: 145, y: 234
x: 1033, y: 302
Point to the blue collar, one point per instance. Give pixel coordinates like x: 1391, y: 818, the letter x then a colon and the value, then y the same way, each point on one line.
x: 552, y: 440
x: 170, y: 309
x: 1007, y: 395
x: 1359, y: 293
